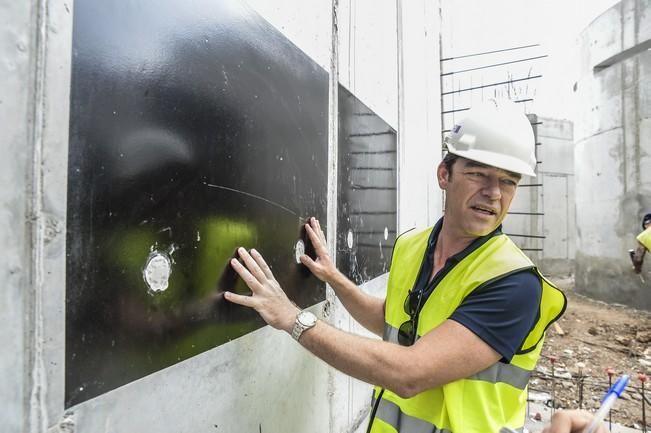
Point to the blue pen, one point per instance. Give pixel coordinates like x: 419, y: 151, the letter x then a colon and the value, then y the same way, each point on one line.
x: 607, y: 402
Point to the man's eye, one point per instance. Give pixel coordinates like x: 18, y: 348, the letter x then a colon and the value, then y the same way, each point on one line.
x: 509, y: 182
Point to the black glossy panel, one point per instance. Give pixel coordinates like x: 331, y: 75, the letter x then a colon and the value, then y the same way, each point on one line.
x: 195, y: 127
x: 366, y: 222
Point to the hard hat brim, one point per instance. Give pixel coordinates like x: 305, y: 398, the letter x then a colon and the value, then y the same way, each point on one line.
x: 493, y: 159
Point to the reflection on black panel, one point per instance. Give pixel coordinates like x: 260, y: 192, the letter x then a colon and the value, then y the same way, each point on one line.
x: 195, y: 127
x: 366, y: 223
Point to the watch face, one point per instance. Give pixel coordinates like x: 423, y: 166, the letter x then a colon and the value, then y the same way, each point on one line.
x: 306, y: 318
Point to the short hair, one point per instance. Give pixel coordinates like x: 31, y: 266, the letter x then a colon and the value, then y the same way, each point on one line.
x: 449, y: 160
x: 646, y: 219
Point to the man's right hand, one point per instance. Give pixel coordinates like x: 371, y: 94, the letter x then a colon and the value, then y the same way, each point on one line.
x: 366, y: 309
x: 572, y: 421
x: 322, y: 267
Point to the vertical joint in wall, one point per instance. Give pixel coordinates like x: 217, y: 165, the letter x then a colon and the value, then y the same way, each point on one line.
x: 37, y: 396
x: 333, y: 136
x: 400, y: 154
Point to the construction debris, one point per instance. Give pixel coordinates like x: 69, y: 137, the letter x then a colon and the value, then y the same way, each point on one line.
x: 598, y: 342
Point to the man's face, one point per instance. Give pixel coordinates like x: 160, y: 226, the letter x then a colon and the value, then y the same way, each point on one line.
x: 647, y: 225
x: 477, y: 196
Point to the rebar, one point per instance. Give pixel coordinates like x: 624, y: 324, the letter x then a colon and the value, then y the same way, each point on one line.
x: 643, y: 378
x: 611, y: 372
x: 552, y: 359
x: 580, y: 367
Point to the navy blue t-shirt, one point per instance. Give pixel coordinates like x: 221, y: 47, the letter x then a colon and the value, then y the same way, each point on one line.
x: 501, y: 312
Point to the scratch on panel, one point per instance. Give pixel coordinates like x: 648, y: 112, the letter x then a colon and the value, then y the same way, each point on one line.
x: 251, y: 195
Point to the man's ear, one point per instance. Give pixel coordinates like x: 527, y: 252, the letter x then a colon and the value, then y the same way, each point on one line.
x: 442, y: 175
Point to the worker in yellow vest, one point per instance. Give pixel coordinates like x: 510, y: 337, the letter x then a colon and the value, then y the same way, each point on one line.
x: 644, y: 244
x: 466, y: 310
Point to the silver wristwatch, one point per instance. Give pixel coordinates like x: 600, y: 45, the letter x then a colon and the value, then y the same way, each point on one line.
x: 304, y: 321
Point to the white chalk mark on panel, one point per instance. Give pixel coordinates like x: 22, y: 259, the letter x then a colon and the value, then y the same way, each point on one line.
x: 157, y: 272
x: 349, y: 239
x: 299, y: 250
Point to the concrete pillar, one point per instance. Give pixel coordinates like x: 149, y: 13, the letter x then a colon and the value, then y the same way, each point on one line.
x: 612, y: 148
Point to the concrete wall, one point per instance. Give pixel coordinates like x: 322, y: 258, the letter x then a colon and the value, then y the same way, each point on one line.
x: 612, y: 153
x: 556, y: 173
x: 16, y: 105
x: 386, y: 52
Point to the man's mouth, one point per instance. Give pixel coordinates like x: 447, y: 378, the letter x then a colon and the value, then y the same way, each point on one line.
x: 484, y: 209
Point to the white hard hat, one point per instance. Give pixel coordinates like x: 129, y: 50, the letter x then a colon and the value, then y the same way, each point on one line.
x: 496, y: 133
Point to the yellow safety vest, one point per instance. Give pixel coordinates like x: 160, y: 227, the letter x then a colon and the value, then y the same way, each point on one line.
x: 489, y: 400
x: 645, y: 238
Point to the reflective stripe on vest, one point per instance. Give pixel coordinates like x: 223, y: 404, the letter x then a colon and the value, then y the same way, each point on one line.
x: 490, y: 399
x: 391, y: 414
x: 645, y: 238
x: 504, y: 373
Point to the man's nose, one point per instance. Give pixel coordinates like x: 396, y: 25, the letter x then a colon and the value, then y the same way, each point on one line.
x: 491, y: 188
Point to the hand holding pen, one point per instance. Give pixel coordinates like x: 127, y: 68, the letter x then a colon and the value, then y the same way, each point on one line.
x: 573, y: 421
x: 607, y: 403
x: 568, y: 421
x: 580, y: 421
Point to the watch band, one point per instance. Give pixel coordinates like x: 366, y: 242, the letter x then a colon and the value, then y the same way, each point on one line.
x: 304, y: 321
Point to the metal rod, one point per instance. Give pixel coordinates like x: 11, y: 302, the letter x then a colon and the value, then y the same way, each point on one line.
x: 589, y: 381
x: 531, y: 249
x: 610, y: 371
x: 517, y: 101
x: 381, y: 188
x: 525, y: 213
x: 367, y: 245
x: 455, y: 111
x: 533, y: 77
x: 529, y: 184
x: 525, y: 236
x: 493, y: 65
x: 490, y: 52
x: 376, y: 152
x: 373, y: 213
x: 371, y: 134
x: 580, y: 392
x: 643, y: 378
x: 552, y: 359
x: 374, y: 168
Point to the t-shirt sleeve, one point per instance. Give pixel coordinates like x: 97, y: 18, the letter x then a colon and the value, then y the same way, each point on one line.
x: 503, y: 312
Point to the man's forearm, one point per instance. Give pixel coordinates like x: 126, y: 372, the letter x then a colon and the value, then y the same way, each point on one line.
x: 640, y: 251
x: 366, y: 309
x: 405, y: 370
x: 372, y: 361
